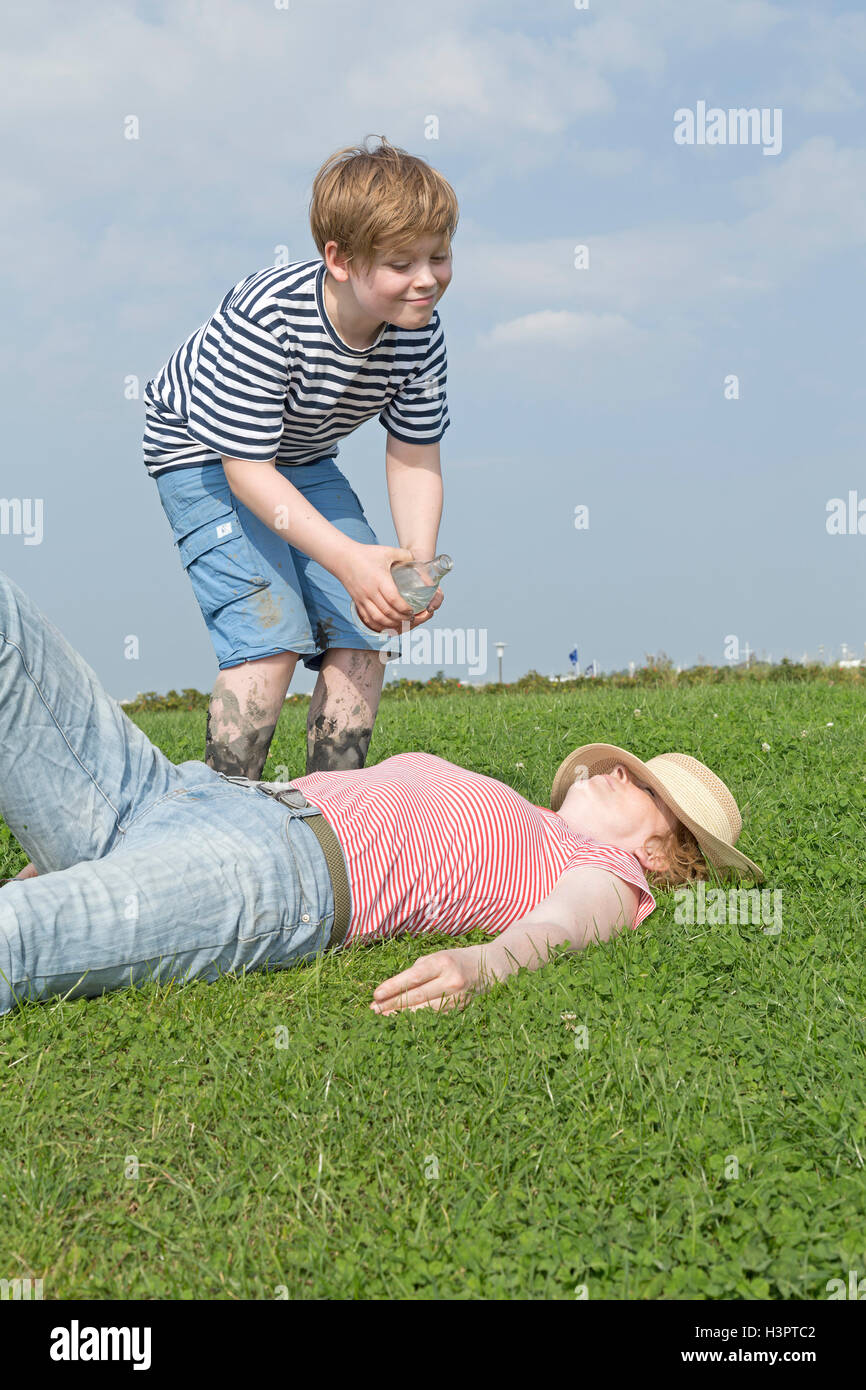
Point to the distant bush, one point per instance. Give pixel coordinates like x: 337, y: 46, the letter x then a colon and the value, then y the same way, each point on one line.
x: 533, y: 680
x: 659, y: 671
x: 149, y: 702
x: 440, y: 684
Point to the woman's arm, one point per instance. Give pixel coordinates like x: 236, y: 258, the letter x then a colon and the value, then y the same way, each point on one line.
x: 587, y: 904
x: 29, y: 871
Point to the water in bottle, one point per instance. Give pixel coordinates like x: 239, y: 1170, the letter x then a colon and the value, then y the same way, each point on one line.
x: 418, y: 580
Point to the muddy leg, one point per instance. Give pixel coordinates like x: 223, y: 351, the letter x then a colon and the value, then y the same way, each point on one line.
x: 343, y: 709
x: 244, y: 709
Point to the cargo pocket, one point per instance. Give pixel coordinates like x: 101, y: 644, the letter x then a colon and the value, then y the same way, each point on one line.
x: 221, y: 562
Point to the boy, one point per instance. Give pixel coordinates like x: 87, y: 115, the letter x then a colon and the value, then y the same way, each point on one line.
x: 241, y: 434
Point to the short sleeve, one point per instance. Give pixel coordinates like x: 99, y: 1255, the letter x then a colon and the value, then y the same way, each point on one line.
x: 418, y: 412
x: 619, y: 862
x: 238, y: 392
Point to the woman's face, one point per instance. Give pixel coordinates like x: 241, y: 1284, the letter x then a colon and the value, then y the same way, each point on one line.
x: 617, y: 809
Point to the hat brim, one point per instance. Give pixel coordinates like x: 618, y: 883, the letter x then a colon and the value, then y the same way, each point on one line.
x: 602, y: 757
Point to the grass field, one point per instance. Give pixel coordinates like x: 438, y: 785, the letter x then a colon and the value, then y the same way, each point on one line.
x: 709, y: 1142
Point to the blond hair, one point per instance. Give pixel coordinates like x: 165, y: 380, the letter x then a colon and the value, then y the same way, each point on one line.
x: 380, y: 200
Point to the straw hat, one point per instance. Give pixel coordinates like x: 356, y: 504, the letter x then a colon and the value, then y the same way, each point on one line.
x: 696, y: 795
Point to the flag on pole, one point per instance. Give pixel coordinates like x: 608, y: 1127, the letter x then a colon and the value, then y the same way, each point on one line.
x: 572, y: 656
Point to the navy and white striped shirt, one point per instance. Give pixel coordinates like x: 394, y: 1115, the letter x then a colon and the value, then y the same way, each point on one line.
x: 268, y: 376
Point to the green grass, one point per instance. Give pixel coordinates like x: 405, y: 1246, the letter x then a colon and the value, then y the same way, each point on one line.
x: 311, y: 1166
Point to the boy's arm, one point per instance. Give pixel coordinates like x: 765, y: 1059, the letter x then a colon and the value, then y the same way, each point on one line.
x: 414, y: 474
x: 587, y: 905
x: 276, y: 502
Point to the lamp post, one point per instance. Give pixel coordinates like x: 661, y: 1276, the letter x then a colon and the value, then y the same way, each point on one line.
x: 500, y: 649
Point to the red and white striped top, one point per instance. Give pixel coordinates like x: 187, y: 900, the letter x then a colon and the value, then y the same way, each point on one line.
x: 430, y: 846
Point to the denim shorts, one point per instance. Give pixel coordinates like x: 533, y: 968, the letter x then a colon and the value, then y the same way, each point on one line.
x: 258, y: 594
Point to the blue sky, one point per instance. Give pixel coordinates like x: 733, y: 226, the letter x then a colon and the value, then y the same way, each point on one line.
x: 601, y: 387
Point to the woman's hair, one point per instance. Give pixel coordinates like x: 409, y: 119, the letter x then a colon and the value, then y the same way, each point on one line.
x: 683, y: 856
x: 678, y: 849
x: 380, y: 200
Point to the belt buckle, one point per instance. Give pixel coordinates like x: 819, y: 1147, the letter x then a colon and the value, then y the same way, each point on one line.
x: 284, y: 792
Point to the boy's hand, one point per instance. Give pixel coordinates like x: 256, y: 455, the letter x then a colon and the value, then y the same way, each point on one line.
x: 442, y: 980
x: 366, y: 574
x: 427, y: 613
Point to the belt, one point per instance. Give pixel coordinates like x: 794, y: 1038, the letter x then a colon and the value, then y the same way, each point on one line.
x: 335, y: 861
x: 339, y: 878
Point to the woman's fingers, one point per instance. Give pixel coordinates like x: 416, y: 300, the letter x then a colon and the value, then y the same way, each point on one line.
x: 436, y: 995
x: 436, y: 980
x: 425, y: 968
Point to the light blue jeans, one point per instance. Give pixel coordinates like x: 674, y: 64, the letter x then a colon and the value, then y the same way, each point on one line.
x: 147, y: 870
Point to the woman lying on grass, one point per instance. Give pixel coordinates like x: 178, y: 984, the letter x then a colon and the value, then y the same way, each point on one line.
x: 146, y: 871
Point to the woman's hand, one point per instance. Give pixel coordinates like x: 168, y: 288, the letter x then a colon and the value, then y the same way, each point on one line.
x: 443, y: 980
x: 29, y: 871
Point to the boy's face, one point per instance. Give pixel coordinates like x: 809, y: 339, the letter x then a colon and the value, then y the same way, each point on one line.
x: 403, y: 287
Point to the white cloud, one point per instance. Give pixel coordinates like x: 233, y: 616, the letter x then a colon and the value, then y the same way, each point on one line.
x: 811, y: 205
x: 822, y: 48
x: 808, y: 206
x: 831, y: 92
x: 561, y: 328
x: 150, y: 234
x: 555, y: 129
x: 506, y: 80
x: 702, y: 23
